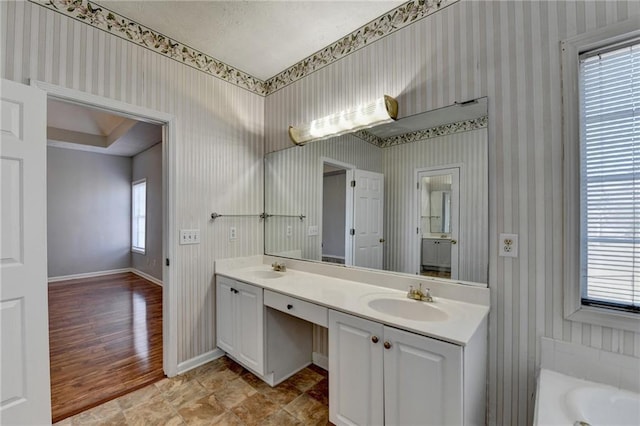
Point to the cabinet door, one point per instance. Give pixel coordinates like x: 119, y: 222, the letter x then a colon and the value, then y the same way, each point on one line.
x: 249, y: 319
x: 444, y: 253
x: 429, y: 252
x: 422, y: 380
x: 355, y: 371
x: 225, y: 298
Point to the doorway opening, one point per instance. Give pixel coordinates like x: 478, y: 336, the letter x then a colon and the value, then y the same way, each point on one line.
x: 352, y: 215
x: 337, y: 212
x: 438, y: 222
x: 134, y: 302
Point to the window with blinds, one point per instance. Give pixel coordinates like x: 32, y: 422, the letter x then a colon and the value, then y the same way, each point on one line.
x: 610, y: 176
x: 138, y: 216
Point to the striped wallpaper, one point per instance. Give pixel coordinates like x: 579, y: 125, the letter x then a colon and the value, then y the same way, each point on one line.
x: 219, y: 139
x: 293, y: 186
x: 505, y: 50
x: 508, y: 51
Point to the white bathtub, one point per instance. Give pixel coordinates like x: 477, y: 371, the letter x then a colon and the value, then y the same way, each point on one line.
x: 565, y: 400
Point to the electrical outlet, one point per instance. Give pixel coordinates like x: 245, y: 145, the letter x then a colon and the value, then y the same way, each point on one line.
x: 508, y: 245
x: 313, y: 230
x: 289, y: 231
x: 189, y: 236
x: 233, y: 233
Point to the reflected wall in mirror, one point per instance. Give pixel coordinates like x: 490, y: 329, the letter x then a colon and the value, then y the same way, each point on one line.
x: 409, y: 196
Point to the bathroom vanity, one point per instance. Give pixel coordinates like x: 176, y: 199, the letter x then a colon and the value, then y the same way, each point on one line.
x: 392, y: 360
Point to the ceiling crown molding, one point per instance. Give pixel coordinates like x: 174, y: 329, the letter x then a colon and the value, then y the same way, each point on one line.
x: 380, y: 27
x: 104, y: 19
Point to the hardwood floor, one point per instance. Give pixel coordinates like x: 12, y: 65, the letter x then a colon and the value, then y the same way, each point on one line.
x: 105, y: 339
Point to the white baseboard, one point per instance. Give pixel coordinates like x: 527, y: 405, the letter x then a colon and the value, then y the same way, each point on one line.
x: 146, y: 276
x: 103, y: 273
x: 88, y: 275
x: 320, y: 360
x: 192, y: 363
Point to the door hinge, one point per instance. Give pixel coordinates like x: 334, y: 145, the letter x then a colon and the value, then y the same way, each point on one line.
x: 166, y: 261
x: 418, y: 185
x: 353, y: 183
x: 352, y: 231
x: 417, y: 230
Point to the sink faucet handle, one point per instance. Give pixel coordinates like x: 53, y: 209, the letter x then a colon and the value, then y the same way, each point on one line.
x: 411, y: 293
x: 426, y: 296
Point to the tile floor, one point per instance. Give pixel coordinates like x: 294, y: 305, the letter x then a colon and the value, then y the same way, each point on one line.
x: 218, y: 393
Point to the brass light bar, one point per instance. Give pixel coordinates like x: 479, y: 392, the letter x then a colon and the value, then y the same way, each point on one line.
x: 382, y: 110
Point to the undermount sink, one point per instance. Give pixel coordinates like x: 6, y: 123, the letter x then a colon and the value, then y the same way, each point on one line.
x: 408, y: 309
x: 267, y: 274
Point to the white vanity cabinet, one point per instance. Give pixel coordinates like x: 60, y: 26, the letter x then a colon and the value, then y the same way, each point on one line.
x: 436, y: 252
x: 382, y: 375
x: 240, y: 322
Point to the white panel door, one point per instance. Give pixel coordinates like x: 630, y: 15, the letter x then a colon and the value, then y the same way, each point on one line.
x: 249, y: 320
x: 368, y: 209
x: 25, y: 396
x: 422, y: 380
x: 355, y: 371
x: 225, y: 324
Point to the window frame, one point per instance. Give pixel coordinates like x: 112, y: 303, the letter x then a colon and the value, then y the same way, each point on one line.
x: 571, y: 49
x: 133, y: 248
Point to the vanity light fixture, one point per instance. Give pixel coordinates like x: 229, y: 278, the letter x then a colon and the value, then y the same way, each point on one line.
x: 382, y: 110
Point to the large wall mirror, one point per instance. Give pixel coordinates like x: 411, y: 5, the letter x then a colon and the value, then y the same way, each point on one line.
x: 409, y: 196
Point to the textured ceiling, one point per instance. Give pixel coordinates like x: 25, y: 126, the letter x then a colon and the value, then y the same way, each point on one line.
x: 261, y: 38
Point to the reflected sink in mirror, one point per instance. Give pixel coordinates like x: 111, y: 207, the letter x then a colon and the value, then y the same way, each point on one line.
x: 408, y: 309
x: 267, y: 274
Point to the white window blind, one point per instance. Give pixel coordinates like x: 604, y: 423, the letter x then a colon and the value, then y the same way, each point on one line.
x: 138, y: 215
x: 610, y: 176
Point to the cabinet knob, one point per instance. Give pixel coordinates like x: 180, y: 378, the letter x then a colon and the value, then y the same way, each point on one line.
x: 374, y: 339
x: 387, y: 345
x: 289, y: 306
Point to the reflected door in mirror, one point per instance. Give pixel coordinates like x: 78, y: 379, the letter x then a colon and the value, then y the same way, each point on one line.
x: 368, y: 219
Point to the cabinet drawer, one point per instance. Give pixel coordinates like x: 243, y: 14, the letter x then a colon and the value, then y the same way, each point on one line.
x: 296, y: 307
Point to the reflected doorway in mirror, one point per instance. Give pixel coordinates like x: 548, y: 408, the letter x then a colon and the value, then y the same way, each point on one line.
x: 438, y: 221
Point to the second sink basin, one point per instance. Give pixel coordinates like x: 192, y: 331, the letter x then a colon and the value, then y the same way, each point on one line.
x: 267, y: 274
x: 408, y: 309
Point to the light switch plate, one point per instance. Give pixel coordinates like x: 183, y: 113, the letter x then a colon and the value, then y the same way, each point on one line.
x: 313, y: 230
x: 189, y: 236
x: 508, y: 245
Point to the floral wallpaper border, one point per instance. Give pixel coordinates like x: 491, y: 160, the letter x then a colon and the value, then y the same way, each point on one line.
x: 380, y: 27
x: 445, y: 129
x: 102, y: 18
x: 369, y: 137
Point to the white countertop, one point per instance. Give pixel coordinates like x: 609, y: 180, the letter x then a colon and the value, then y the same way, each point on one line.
x: 352, y: 297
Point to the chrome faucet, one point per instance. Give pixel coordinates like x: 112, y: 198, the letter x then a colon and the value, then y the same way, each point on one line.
x: 419, y: 294
x: 279, y: 267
